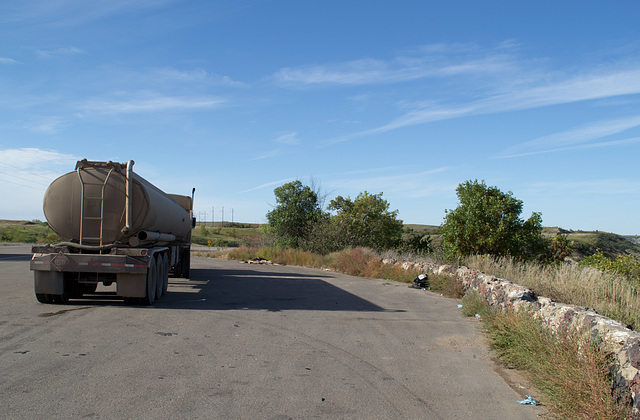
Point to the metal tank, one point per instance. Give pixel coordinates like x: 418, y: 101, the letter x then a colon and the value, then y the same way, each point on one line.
x: 105, y: 203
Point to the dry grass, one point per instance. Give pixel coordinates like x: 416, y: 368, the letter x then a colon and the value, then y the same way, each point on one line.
x: 610, y: 295
x: 570, y: 371
x: 360, y: 262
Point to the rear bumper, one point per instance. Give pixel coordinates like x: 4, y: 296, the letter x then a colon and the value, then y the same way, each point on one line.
x: 88, y: 263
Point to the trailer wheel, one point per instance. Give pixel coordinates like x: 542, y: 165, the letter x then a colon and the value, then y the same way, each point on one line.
x: 186, y: 264
x: 159, y: 275
x: 42, y: 298
x: 152, y: 279
x: 165, y: 274
x: 177, y: 269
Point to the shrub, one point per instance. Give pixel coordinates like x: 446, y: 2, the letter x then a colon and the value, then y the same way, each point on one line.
x: 487, y: 221
x: 627, y: 266
x: 569, y: 368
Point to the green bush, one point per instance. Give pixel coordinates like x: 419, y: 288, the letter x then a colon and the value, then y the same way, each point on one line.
x: 627, y: 266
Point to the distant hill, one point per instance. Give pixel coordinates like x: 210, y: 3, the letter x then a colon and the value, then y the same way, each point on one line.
x: 589, y: 242
x: 585, y: 242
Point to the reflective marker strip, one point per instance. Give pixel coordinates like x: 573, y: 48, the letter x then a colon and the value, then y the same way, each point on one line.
x: 94, y: 264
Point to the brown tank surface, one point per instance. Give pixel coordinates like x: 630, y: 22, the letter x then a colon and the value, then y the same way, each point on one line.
x: 89, y: 206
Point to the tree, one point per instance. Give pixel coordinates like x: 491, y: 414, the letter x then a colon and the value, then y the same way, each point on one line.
x: 487, y: 221
x: 297, y: 209
x: 366, y: 221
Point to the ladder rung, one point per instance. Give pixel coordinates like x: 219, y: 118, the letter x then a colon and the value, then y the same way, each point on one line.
x: 93, y: 198
x: 91, y: 237
x: 92, y: 218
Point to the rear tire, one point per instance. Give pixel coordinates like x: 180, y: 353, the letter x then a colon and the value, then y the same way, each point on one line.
x: 186, y: 263
x: 159, y: 275
x: 165, y: 274
x: 152, y: 279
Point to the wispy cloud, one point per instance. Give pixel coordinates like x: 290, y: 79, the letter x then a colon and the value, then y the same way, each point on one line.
x: 75, y: 12
x: 437, y: 61
x: 579, y: 138
x: 47, y: 125
x: 195, y: 76
x: 288, y: 139
x: 574, y: 89
x: 268, y: 184
x: 608, y: 186
x: 32, y: 168
x: 31, y: 158
x: 406, y: 184
x: 152, y: 103
x: 56, y: 52
x: 6, y: 60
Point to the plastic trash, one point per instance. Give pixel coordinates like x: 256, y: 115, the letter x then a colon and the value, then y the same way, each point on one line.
x: 459, y: 306
x: 529, y: 401
x: 420, y: 282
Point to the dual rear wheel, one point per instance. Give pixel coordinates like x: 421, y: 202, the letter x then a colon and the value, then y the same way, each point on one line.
x: 157, y: 279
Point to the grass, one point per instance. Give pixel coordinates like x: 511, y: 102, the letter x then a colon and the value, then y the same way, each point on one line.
x: 359, y: 262
x: 610, y: 295
x: 569, y: 369
x: 34, y: 232
x: 230, y: 235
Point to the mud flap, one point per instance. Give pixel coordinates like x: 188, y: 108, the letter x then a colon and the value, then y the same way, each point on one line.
x: 131, y: 285
x: 48, y: 282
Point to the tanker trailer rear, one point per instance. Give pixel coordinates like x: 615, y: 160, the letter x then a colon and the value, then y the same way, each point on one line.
x: 116, y: 227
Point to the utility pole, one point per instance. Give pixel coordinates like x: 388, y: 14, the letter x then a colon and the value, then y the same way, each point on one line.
x: 222, y: 217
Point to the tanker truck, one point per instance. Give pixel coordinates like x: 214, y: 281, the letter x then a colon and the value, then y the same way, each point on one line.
x: 116, y: 227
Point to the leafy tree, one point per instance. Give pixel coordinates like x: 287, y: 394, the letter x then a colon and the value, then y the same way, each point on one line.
x: 297, y: 210
x: 366, y: 221
x: 487, y: 221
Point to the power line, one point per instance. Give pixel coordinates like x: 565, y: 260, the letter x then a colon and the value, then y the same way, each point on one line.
x: 23, y: 179
x: 24, y: 170
x: 22, y: 185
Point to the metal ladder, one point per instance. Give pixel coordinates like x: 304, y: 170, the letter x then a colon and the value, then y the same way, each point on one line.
x: 92, y: 221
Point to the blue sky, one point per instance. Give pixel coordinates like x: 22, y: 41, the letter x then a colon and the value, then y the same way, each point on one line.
x: 407, y: 98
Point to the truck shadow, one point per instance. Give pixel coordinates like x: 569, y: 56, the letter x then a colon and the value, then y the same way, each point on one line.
x: 248, y: 289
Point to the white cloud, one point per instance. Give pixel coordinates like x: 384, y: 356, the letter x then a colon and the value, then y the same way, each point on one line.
x: 428, y: 61
x: 578, y: 138
x: 75, y: 12
x: 6, y: 60
x: 152, y: 103
x: 406, y: 184
x: 195, y: 76
x: 47, y: 125
x: 610, y: 186
x: 62, y: 51
x: 25, y: 174
x: 35, y: 160
x: 575, y: 89
x: 288, y: 139
x: 268, y: 184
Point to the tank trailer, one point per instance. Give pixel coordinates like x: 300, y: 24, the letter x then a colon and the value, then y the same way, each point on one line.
x: 116, y: 227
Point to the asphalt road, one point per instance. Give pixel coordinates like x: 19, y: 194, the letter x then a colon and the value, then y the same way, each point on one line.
x: 240, y: 341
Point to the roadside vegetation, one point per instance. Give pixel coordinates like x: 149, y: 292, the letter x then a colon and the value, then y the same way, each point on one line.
x: 569, y: 369
x: 226, y: 235
x: 30, y: 232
